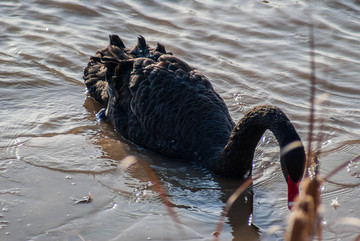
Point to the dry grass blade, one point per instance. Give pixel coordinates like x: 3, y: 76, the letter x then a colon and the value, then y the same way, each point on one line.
x: 312, y: 94
x: 130, y: 161
x: 291, y: 146
x: 247, y: 183
x: 317, y: 153
x: 355, y: 159
x: 349, y: 221
x: 304, y: 222
x: 352, y: 222
x: 341, y: 146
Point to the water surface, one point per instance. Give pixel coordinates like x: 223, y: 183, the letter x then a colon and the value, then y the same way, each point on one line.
x: 53, y: 150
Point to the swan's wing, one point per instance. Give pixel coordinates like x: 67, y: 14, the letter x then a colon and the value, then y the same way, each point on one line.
x: 177, y: 106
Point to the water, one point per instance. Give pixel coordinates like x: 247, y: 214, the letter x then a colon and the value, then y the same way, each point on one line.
x: 53, y: 150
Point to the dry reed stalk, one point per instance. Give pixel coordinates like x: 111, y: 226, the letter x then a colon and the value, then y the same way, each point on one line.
x: 131, y: 162
x: 305, y: 223
x: 305, y: 220
x: 307, y: 205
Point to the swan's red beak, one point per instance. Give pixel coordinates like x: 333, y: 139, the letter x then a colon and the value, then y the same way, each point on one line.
x: 293, y: 192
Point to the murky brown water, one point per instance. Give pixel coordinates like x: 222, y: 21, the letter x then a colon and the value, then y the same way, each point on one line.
x: 54, y: 150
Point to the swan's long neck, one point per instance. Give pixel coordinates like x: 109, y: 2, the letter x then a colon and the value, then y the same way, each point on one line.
x: 237, y: 157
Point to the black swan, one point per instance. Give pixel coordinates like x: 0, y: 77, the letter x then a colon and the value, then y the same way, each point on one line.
x: 161, y: 103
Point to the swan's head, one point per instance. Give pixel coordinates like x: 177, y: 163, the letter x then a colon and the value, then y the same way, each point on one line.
x: 292, y: 164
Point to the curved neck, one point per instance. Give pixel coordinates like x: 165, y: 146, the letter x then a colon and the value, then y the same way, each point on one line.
x: 237, y: 157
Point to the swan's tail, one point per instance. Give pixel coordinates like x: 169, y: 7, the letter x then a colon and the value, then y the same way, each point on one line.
x: 96, y: 70
x: 100, y: 68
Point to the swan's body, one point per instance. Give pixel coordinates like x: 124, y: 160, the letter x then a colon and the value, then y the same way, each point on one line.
x: 159, y: 102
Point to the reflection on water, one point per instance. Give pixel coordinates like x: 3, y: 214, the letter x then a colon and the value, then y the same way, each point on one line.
x: 52, y: 148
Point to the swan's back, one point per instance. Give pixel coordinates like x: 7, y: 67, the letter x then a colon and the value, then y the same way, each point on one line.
x: 158, y: 101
